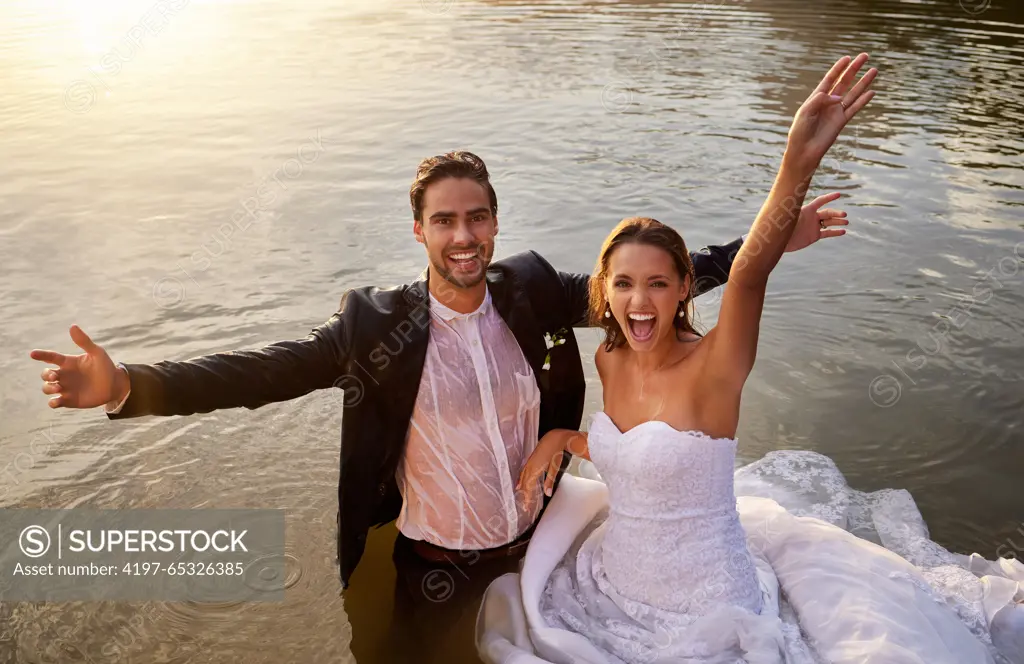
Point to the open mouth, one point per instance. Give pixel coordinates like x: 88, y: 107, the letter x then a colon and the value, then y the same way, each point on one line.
x: 465, y: 261
x: 641, y: 325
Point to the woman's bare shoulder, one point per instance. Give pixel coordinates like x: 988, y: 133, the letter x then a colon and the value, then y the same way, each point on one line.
x: 688, y: 345
x: 606, y: 360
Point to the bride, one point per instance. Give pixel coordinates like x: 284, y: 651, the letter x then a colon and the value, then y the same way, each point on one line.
x: 658, y: 560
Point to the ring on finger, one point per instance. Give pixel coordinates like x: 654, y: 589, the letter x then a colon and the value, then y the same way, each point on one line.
x: 821, y: 222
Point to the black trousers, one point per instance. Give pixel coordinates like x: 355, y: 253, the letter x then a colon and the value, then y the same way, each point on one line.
x: 431, y: 616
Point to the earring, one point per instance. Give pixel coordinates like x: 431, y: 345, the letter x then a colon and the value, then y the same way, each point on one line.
x: 682, y: 311
x: 607, y: 313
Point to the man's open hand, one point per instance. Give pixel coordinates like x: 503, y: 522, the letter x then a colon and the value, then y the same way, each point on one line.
x: 81, y: 381
x: 816, y: 223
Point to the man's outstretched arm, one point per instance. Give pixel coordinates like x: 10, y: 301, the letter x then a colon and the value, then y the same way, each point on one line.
x: 711, y: 265
x: 249, y: 378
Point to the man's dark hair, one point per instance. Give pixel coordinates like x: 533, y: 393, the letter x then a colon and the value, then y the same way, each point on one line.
x: 456, y: 164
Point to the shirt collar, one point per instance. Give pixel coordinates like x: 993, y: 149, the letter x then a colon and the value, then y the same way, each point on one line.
x: 447, y: 314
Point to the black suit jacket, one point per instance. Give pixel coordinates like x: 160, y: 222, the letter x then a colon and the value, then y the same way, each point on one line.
x: 374, y: 349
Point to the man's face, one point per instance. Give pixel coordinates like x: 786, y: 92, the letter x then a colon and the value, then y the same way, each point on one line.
x: 458, y: 230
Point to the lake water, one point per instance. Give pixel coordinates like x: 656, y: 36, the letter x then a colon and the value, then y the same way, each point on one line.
x: 135, y: 138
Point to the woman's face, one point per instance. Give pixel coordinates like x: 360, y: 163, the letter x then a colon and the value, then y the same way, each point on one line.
x: 644, y: 291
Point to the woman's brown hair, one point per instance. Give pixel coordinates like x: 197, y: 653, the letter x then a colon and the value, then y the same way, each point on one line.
x: 639, y: 230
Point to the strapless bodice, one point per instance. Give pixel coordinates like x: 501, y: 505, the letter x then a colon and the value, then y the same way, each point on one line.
x: 673, y: 535
x: 657, y: 472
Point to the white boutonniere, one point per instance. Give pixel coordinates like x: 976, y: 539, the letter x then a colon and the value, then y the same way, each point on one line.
x: 551, y: 340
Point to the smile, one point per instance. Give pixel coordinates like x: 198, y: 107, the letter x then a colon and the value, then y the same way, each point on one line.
x: 641, y: 325
x: 464, y: 260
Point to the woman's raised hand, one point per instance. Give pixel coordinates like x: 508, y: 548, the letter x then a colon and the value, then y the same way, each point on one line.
x: 826, y: 111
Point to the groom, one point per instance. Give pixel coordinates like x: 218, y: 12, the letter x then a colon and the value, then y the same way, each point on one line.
x: 449, y: 383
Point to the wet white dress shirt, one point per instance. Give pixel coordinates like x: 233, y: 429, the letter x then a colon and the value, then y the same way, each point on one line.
x: 473, y: 427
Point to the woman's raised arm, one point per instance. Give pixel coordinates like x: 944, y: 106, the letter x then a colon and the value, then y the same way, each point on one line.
x: 815, y: 128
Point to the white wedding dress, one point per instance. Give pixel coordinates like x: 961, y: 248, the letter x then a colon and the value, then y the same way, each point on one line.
x: 664, y: 563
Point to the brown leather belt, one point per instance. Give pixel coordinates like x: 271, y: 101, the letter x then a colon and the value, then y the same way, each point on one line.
x: 438, y: 554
